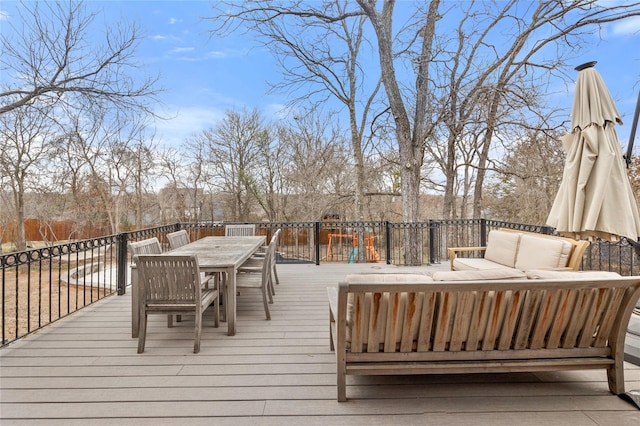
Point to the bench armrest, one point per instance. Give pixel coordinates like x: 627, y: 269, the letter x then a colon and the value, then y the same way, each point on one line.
x: 453, y: 250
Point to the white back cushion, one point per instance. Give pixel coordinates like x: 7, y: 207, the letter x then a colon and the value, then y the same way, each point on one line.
x: 502, y: 247
x: 542, y: 253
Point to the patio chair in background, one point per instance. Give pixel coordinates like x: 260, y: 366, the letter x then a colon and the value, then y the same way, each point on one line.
x: 178, y: 239
x: 150, y: 246
x: 172, y: 285
x: 259, y: 280
x: 243, y: 230
x: 181, y: 238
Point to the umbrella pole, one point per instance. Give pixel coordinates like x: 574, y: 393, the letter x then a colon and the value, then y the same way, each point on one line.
x: 632, y: 136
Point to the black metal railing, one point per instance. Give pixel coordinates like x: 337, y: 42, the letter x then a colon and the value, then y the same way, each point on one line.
x: 40, y: 286
x: 43, y: 285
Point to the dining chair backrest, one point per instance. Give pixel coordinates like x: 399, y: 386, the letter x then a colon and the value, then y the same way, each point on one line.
x: 169, y: 279
x: 178, y: 239
x: 150, y: 246
x: 244, y: 230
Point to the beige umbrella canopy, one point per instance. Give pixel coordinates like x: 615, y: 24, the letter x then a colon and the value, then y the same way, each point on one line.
x: 595, y: 199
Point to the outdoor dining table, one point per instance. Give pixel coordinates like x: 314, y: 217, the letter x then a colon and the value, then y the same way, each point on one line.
x: 215, y: 254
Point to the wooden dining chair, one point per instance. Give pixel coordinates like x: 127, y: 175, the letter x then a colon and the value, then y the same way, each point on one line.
x: 149, y: 246
x: 258, y: 280
x: 255, y: 263
x: 172, y: 285
x: 178, y: 239
x: 242, y: 230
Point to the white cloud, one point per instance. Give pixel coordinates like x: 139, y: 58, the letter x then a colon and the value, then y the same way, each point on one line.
x: 279, y: 111
x: 182, y: 50
x: 158, y: 37
x: 173, y: 21
x: 185, y: 122
x: 629, y: 26
x: 4, y: 16
x: 217, y: 54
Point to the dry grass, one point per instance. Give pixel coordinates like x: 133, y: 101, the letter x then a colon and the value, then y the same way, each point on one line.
x: 40, y: 297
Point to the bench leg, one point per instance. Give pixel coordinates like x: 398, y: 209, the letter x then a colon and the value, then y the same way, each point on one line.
x: 342, y: 384
x: 615, y: 377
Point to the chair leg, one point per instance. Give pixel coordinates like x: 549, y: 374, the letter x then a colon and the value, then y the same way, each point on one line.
x: 222, y: 290
x: 268, y: 291
x: 264, y: 302
x: 198, y: 332
x: 271, y: 279
x: 216, y: 311
x: 275, y: 274
x: 142, y: 333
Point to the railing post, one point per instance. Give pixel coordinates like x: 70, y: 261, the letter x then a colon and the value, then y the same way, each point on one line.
x: 548, y: 230
x: 122, y: 240
x: 483, y: 233
x: 387, y: 238
x: 432, y: 241
x: 317, y: 242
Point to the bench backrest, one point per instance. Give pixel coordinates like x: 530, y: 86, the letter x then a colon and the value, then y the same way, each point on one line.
x: 578, y: 247
x: 460, y: 320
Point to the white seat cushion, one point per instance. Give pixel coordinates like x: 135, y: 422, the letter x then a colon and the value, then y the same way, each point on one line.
x: 569, y: 275
x: 542, y: 253
x: 483, y: 274
x: 502, y: 247
x: 474, y: 264
x: 385, y: 278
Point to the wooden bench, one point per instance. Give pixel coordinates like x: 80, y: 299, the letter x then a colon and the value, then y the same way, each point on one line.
x: 578, y: 248
x: 481, y: 326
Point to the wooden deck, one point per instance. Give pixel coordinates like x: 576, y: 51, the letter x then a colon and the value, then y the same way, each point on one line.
x: 85, y: 370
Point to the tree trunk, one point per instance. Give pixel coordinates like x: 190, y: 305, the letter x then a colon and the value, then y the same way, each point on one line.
x: 21, y: 237
x: 484, y: 154
x: 410, y: 143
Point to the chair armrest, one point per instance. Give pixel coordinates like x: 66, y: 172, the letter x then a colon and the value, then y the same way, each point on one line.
x: 332, y: 292
x: 206, y: 279
x: 453, y: 250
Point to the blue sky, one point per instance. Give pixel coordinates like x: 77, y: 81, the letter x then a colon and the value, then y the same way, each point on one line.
x: 203, y: 77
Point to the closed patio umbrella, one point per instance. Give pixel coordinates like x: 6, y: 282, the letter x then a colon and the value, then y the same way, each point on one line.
x: 595, y: 199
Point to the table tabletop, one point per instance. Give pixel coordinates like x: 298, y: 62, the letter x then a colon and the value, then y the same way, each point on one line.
x: 221, y: 252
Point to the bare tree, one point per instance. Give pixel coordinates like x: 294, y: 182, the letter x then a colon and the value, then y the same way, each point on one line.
x: 25, y: 143
x: 143, y: 166
x: 319, y: 48
x: 110, y: 148
x: 528, y: 180
x: 53, y: 68
x: 48, y: 57
x: 172, y: 202
x: 497, y: 64
x: 269, y: 185
x: 234, y: 152
x: 318, y: 175
x: 412, y: 126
